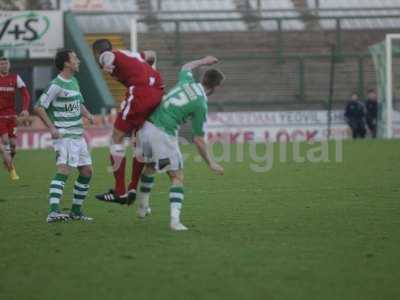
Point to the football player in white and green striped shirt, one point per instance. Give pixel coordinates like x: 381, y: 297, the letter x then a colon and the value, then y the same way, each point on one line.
x: 61, y: 109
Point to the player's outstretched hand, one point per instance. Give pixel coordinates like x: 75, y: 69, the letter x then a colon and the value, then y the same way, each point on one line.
x: 54, y: 133
x: 91, y: 119
x: 217, y: 169
x: 24, y: 114
x: 210, y: 60
x: 108, y: 69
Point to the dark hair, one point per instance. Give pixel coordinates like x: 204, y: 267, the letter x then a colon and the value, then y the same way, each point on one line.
x: 101, y: 45
x: 213, y: 78
x: 371, y: 91
x: 62, y: 57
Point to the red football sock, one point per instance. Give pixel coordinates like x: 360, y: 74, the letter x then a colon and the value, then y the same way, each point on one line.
x: 118, y: 164
x: 137, y: 167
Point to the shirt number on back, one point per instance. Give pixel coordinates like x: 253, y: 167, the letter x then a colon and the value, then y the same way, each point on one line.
x: 181, y: 98
x: 178, y: 100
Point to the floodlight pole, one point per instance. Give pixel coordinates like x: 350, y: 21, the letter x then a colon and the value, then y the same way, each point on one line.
x: 134, y: 45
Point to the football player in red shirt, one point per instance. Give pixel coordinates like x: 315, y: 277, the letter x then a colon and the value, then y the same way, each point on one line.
x: 9, y: 84
x: 144, y: 93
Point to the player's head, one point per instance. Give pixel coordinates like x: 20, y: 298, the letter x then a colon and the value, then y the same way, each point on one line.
x: 212, y: 78
x: 67, y: 59
x: 4, y: 65
x: 100, y: 46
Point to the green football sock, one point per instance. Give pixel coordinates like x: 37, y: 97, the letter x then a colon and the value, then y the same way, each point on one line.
x: 56, y: 191
x: 81, y: 189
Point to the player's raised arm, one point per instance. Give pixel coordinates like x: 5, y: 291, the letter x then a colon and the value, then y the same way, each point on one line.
x: 205, y: 61
x: 106, y: 61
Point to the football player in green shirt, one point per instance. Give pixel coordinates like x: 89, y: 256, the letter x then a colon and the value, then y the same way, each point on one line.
x: 157, y: 140
x: 61, y: 108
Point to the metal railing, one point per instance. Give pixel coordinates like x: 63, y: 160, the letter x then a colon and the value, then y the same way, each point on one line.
x: 301, y: 95
x: 279, y: 42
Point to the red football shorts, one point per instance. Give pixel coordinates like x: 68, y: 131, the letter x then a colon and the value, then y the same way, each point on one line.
x: 8, y: 126
x: 137, y: 108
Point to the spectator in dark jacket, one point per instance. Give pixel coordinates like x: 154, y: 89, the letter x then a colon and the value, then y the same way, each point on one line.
x: 355, y: 116
x: 371, y: 104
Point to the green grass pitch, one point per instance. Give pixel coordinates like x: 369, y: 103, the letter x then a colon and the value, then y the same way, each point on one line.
x: 323, y: 230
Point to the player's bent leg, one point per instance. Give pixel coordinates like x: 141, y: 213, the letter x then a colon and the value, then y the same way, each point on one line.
x: 81, y: 189
x: 140, y: 112
x: 176, y: 177
x: 13, y: 152
x: 137, y: 168
x: 4, y: 151
x: 118, y: 162
x: 12, y: 135
x: 6, y: 156
x: 176, y: 196
x: 56, y: 191
x: 146, y: 185
x: 13, y: 147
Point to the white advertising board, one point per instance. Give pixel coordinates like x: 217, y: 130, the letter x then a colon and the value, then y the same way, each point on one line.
x: 275, y: 126
x: 39, y: 32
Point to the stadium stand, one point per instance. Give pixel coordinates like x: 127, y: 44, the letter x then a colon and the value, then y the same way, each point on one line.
x: 287, y: 5
x: 288, y: 62
x: 173, y: 10
x: 340, y: 8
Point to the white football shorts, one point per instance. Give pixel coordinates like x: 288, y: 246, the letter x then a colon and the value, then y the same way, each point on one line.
x: 72, y: 152
x: 153, y: 145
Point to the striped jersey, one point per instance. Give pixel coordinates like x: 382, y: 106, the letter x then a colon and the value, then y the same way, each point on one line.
x: 62, y: 101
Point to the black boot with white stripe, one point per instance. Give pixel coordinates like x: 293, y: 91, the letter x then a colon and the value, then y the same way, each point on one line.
x: 111, y: 197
